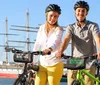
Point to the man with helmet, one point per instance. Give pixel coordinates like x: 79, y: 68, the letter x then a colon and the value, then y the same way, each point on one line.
x: 85, y: 35
x: 48, y: 39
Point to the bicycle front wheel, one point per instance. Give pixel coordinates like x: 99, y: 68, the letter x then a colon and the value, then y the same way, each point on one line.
x: 20, y: 81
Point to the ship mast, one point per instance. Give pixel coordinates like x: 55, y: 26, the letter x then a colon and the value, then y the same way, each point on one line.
x: 6, y: 38
x: 27, y: 28
x: 6, y: 43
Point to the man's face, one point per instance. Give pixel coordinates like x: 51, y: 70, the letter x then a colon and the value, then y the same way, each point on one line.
x: 80, y: 14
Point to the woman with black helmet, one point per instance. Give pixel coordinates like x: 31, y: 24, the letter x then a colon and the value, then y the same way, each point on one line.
x: 85, y: 35
x: 48, y: 39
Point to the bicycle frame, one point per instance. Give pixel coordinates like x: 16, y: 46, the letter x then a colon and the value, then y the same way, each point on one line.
x: 81, y: 79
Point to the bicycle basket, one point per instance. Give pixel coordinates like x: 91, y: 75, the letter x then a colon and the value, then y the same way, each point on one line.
x: 23, y: 57
x: 74, y: 63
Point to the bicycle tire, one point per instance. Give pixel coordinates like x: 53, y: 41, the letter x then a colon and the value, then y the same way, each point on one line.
x: 18, y: 81
x: 75, y: 82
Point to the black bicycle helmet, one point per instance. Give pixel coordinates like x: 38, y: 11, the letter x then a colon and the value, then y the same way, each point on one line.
x: 53, y: 7
x: 81, y: 4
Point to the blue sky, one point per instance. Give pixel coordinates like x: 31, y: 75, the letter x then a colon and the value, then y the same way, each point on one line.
x: 15, y: 11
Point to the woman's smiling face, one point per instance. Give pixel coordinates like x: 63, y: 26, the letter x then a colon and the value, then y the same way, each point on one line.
x: 52, y: 17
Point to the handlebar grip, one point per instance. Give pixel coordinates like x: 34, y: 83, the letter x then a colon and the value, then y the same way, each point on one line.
x: 16, y: 51
x: 41, y: 53
x: 49, y: 53
x: 64, y: 56
x: 37, y: 52
x: 93, y: 57
x: 7, y: 49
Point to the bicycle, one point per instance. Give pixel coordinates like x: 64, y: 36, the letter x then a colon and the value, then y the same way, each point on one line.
x: 80, y: 65
x: 28, y: 75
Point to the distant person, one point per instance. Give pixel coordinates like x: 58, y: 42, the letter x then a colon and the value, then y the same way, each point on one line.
x: 48, y: 40
x: 85, y: 35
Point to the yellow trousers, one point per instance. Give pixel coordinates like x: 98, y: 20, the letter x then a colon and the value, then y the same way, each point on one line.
x: 49, y: 74
x: 72, y: 75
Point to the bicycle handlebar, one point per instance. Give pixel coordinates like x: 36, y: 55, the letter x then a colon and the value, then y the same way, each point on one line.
x: 85, y: 57
x: 13, y: 50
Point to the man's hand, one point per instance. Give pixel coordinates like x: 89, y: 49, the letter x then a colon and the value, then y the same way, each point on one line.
x: 98, y: 55
x: 58, y: 54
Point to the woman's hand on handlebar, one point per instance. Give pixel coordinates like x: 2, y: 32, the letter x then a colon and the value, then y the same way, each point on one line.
x: 47, y: 51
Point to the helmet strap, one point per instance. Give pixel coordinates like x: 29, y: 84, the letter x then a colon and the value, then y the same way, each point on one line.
x: 80, y: 23
x: 55, y: 24
x: 83, y: 21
